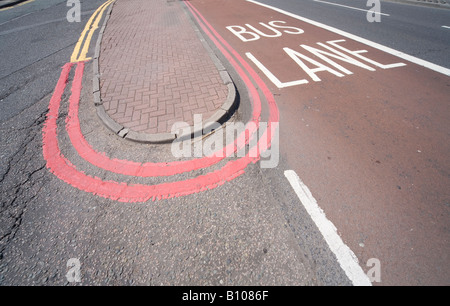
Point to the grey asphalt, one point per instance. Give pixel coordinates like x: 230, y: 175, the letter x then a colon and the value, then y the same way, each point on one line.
x: 415, y: 30
x: 412, y: 29
x: 31, y: 57
x: 251, y: 231
x: 9, y: 3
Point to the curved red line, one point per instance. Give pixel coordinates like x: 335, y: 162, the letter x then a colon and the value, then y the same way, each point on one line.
x: 49, y: 130
x: 273, y: 108
x: 122, y: 192
x: 132, y: 168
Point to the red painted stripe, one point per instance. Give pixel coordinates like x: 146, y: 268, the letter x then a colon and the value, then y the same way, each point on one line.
x: 122, y: 192
x: 132, y: 168
x: 49, y: 131
x: 274, y: 115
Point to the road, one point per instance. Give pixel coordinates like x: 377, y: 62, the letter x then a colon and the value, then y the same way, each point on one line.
x: 232, y: 235
x: 415, y: 30
x: 368, y: 137
x: 371, y: 144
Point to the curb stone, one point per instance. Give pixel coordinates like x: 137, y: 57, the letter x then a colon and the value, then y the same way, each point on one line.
x: 220, y: 116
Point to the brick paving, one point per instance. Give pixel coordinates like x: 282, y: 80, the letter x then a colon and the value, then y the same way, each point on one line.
x: 154, y: 70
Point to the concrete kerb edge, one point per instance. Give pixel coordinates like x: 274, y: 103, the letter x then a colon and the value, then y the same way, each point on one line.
x: 230, y: 105
x: 100, y: 109
x: 220, y: 116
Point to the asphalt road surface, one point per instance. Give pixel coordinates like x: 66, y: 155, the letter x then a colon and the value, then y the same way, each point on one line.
x: 233, y: 235
x: 416, y: 30
x: 369, y: 140
x: 371, y: 144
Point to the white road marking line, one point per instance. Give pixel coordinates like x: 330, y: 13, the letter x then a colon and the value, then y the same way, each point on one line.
x: 447, y: 27
x: 350, y: 7
x: 271, y: 76
x: 367, y: 42
x: 15, y: 18
x: 346, y: 258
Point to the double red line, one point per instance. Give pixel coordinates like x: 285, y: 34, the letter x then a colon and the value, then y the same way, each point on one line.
x: 66, y: 171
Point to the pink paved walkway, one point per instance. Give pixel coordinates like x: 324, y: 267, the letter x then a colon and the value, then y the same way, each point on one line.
x: 154, y: 69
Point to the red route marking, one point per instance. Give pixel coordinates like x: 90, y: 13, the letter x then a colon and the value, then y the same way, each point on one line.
x: 273, y: 108
x: 132, y: 168
x: 122, y: 192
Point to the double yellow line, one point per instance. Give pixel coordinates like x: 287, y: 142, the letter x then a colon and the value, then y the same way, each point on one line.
x: 86, y: 35
x: 17, y: 5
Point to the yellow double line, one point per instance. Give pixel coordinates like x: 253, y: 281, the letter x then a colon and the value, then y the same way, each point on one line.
x: 17, y: 5
x: 89, y: 30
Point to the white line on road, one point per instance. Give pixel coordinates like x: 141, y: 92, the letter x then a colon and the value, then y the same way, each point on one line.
x: 351, y: 7
x: 271, y: 76
x: 367, y: 42
x: 346, y: 258
x: 15, y: 18
x: 447, y: 27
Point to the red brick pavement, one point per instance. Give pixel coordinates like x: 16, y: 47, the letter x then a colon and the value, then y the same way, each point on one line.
x: 154, y: 70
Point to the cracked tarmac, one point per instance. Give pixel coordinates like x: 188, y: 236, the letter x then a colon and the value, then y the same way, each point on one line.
x: 250, y: 231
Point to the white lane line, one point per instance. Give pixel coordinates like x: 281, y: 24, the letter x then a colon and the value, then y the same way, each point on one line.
x: 367, y: 42
x: 350, y: 7
x: 15, y: 18
x: 447, y: 27
x: 271, y: 76
x: 346, y: 258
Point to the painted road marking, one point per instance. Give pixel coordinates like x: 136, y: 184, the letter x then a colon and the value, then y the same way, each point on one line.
x: 66, y: 171
x: 90, y: 27
x: 351, y: 7
x: 372, y: 44
x: 345, y: 256
x: 447, y: 27
x: 11, y: 20
x: 328, y: 53
x: 149, y: 169
x: 325, y: 55
x: 256, y: 34
x: 271, y: 76
x: 20, y: 4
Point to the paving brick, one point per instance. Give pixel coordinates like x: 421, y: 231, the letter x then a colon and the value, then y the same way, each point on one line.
x: 150, y: 77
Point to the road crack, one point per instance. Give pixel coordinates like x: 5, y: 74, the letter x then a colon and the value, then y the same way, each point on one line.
x: 22, y: 180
